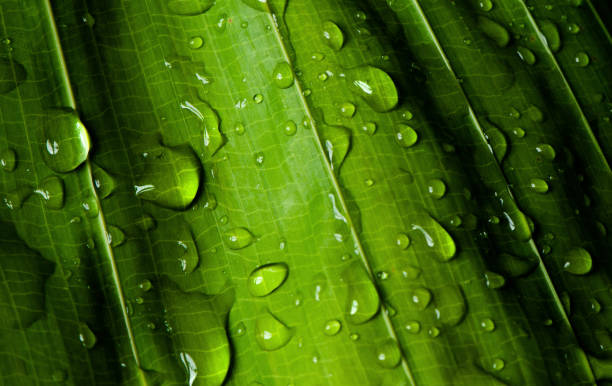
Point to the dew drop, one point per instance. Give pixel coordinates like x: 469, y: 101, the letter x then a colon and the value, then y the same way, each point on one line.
x: 485, y: 5
x: 66, y: 141
x: 8, y: 160
x: 90, y: 206
x: 259, y: 5
x: 494, y: 280
x: 317, y: 56
x: 551, y: 33
x: 258, y: 98
x: 535, y: 114
x: 238, y: 238
x: 434, y: 331
x: 145, y: 285
x: 388, y: 354
x: 402, y: 241
x: 259, y: 158
x: 487, y: 325
x: 436, y: 188
x: 514, y: 113
x: 538, y: 185
x: 573, y: 28
x: 270, y: 333
x: 289, y: 128
x: 51, y: 190
x: 494, y: 31
x: 498, y: 143
x: 363, y: 301
x: 405, y: 135
x: 195, y: 42
x: 354, y: 337
x: 546, y: 151
x: 498, y: 364
x: 374, y: 86
x: 282, y: 75
x: 115, y: 236
x: 421, y: 297
x: 103, y: 182
x: 264, y: 280
x: 239, y: 128
x: 577, y: 261
x: 86, y: 336
x: 369, y: 128
x: 413, y: 327
x: 526, y: 55
x: 347, y: 109
x: 332, y: 327
x: 581, y: 59
x: 518, y: 132
x: 435, y: 237
x: 594, y: 305
x: 332, y: 35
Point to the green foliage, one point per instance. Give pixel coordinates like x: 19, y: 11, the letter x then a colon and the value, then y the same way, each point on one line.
x: 305, y: 192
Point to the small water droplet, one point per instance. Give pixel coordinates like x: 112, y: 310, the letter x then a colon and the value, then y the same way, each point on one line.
x: 240, y: 329
x: 388, y: 354
x: 573, y: 28
x: 518, y: 132
x: 485, y: 5
x: 290, y: 128
x: 421, y: 297
x: 258, y: 98
x: 581, y: 59
x: 332, y: 35
x: 413, y: 327
x: 487, y: 325
x: 86, y: 336
x: 526, y: 55
x: 434, y: 331
x: 347, y: 109
x: 51, y: 190
x: 436, y: 188
x: 546, y: 151
x: 116, y: 237
x: 354, y: 336
x: 270, y: 333
x: 318, y: 56
x: 332, y: 327
x: 259, y: 159
x: 435, y: 237
x: 514, y: 113
x: 577, y: 261
x: 594, y: 305
x: 405, y: 135
x: 402, y: 240
x: 497, y: 364
x: 195, y: 42
x: 363, y: 300
x: 551, y: 33
x: 322, y: 77
x: 238, y: 238
x: 374, y: 86
x: 103, y: 182
x: 8, y: 160
x: 266, y: 279
x: 538, y: 185
x: 369, y: 128
x: 494, y: 280
x: 90, y: 206
x: 145, y: 285
x: 282, y: 75
x: 368, y: 182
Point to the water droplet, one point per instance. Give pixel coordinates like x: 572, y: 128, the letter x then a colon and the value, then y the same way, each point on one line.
x: 239, y: 128
x: 195, y: 42
x: 405, y: 135
x: 258, y: 98
x: 494, y: 31
x: 546, y: 151
x: 238, y: 238
x: 90, y: 206
x: 306, y: 92
x: 290, y: 128
x: 434, y: 332
x: 413, y: 327
x: 86, y: 336
x: 66, y: 141
x: 116, y: 236
x: 354, y: 336
x: 382, y: 275
x: 259, y: 5
x: 369, y: 128
x: 51, y: 190
x: 322, y: 77
x: 576, y: 3
x: 451, y: 306
x: 12, y: 74
x: 103, y: 182
x: 374, y: 86
x: 402, y: 240
x: 551, y: 33
x: 15, y: 198
x: 270, y: 333
x: 318, y: 56
x: 189, y: 7
x: 436, y: 188
x: 581, y: 59
x: 497, y: 364
x: 240, y: 329
x: 363, y: 301
x: 332, y: 327
x: 145, y: 285
x: 368, y: 182
x: 421, y: 297
x: 594, y: 305
x: 337, y: 142
x: 485, y: 5
x: 8, y: 160
x: 514, y: 113
x: 388, y: 354
x: 223, y: 220
x: 577, y: 261
x: 498, y: 143
x: 347, y: 109
x: 171, y: 177
x: 573, y: 28
x: 435, y: 237
x: 264, y: 280
x: 282, y: 75
x: 332, y: 35
x: 411, y: 272
x: 518, y: 132
x: 138, y: 300
x: 535, y: 114
x: 538, y: 185
x: 487, y: 325
x: 494, y: 280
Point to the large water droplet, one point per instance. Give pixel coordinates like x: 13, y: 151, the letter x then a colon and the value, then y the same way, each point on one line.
x: 270, y: 333
x: 12, y: 74
x: 551, y: 33
x: 264, y: 280
x: 435, y: 237
x: 189, y: 7
x: 494, y: 31
x: 66, y: 141
x: 436, y: 188
x: 171, y: 177
x: 405, y: 135
x: 211, y: 134
x: 337, y: 142
x: 238, y: 238
x: 51, y: 190
x: 388, y: 354
x: 332, y: 327
x: 332, y: 35
x: 577, y: 261
x: 86, y: 336
x: 8, y: 160
x: 103, y: 182
x: 374, y: 86
x: 363, y: 301
x: 282, y: 75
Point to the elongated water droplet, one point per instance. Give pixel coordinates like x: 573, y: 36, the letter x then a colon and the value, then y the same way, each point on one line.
x: 494, y: 280
x: 51, y: 190
x: 264, y: 280
x: 494, y: 31
x: 337, y: 142
x: 189, y: 7
x: 103, y: 182
x: 86, y: 336
x: 66, y: 141
x: 347, y: 109
x: 405, y: 135
x: 332, y: 327
x: 374, y: 86
x: 388, y: 354
x: 546, y: 151
x: 435, y: 237
x: 238, y: 238
x: 8, y: 160
x: 538, y: 185
x: 551, y: 33
x: 209, y: 120
x: 498, y: 143
x: 270, y: 333
x: 171, y: 177
x: 363, y: 301
x: 581, y: 59
x: 577, y: 261
x: 12, y: 74
x: 436, y: 188
x: 526, y: 55
x: 90, y: 206
x: 283, y: 75
x: 413, y: 327
x: 332, y: 35
x: 115, y: 236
